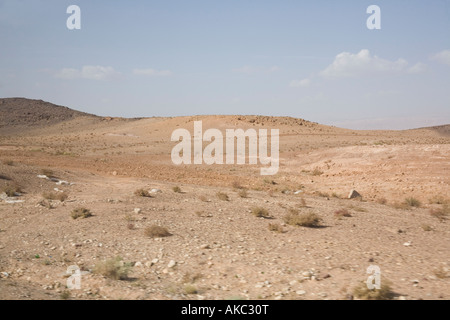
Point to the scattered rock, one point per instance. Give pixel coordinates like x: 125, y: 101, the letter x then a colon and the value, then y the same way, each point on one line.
x: 155, y: 191
x: 407, y: 244
x: 301, y: 292
x: 354, y: 194
x: 171, y: 264
x: 137, y: 210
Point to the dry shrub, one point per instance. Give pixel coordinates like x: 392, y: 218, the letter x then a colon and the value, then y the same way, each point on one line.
x: 413, y: 202
x: 237, y: 185
x: 114, y: 269
x: 59, y: 196
x: 142, y: 193
x: 276, y: 227
x: 342, y: 213
x: 308, y: 219
x: 441, y: 213
x: 47, y: 172
x: 155, y: 231
x: 384, y: 293
x: 222, y: 196
x: 203, y: 198
x: 81, y: 213
x: 382, y: 201
x: 260, y: 212
x: 176, y: 189
x: 189, y: 289
x: 317, y: 172
x: 11, y: 191
x: 243, y: 193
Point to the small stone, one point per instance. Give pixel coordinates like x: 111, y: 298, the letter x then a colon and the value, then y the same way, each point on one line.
x: 138, y: 264
x: 407, y: 244
x: 171, y: 264
x: 137, y: 210
x: 301, y: 292
x: 402, y: 298
x: 205, y: 246
x: 154, y: 261
x: 155, y: 191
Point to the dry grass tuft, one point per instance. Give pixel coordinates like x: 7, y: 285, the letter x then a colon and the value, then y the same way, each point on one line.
x: 222, y: 196
x: 155, y: 231
x: 308, y: 219
x: 276, y: 227
x: 441, y: 213
x: 176, y: 189
x: 81, y: 213
x: 114, y: 269
x: 260, y: 212
x: 342, y: 213
x: 142, y: 193
x: 384, y: 293
x: 59, y: 196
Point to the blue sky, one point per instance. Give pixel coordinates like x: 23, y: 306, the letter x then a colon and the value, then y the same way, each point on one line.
x: 315, y: 60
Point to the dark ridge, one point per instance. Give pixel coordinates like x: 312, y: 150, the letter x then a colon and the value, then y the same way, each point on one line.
x: 20, y: 112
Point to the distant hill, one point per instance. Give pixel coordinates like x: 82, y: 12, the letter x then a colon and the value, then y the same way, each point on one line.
x: 21, y: 112
x: 444, y: 130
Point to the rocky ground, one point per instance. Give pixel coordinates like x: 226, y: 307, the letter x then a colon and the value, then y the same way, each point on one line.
x: 217, y: 247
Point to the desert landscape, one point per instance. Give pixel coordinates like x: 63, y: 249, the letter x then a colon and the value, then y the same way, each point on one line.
x: 102, y: 193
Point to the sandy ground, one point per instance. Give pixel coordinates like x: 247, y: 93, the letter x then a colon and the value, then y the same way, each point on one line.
x: 218, y: 249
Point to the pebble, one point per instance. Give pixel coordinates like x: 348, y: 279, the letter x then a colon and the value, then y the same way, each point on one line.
x: 137, y: 210
x: 171, y: 264
x: 301, y: 292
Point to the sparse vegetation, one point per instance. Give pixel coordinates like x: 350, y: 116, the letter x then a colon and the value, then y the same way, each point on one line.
x: 413, y: 202
x: 8, y: 162
x: 243, y: 193
x: 441, y: 272
x: 260, y: 212
x: 384, y: 293
x: 81, y: 213
x: 142, y: 193
x: 11, y: 191
x: 317, y: 172
x: 47, y: 172
x: 176, y: 189
x: 237, y: 185
x: 308, y: 219
x: 65, y: 295
x: 276, y: 227
x: 46, y: 204
x: 335, y: 195
x: 342, y: 213
x: 114, y: 269
x: 222, y: 196
x: 189, y: 289
x: 382, y: 201
x: 426, y: 227
x: 155, y: 231
x: 59, y: 196
x: 441, y: 213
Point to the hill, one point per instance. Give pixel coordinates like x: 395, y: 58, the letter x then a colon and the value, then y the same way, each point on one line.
x: 17, y: 113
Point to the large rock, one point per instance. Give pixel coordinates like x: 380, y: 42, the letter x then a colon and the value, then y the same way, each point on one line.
x: 354, y: 194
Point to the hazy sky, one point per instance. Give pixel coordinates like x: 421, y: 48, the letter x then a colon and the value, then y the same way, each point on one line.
x: 315, y: 60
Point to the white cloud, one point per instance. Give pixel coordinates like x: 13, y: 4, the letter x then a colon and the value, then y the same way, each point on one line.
x: 152, y: 72
x: 442, y: 57
x: 361, y: 64
x: 88, y: 72
x: 300, y: 83
x: 418, y: 68
x: 254, y: 70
